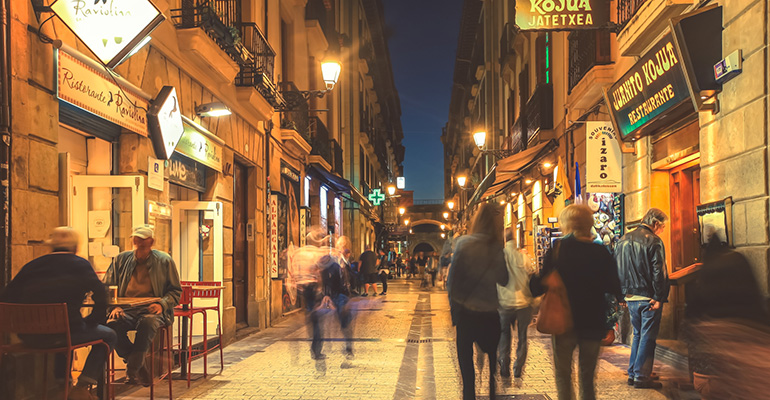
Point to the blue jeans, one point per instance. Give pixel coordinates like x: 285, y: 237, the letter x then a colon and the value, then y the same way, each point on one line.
x: 510, y: 318
x: 344, y: 315
x: 646, y: 323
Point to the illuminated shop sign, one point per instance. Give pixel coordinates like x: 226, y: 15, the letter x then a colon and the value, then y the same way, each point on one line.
x: 561, y: 14
x: 197, y: 146
x: 92, y: 90
x: 166, y: 126
x: 604, y: 161
x: 654, y: 85
x: 109, y: 28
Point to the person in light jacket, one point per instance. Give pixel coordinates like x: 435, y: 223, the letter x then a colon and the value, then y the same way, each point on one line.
x: 515, y: 309
x: 478, y: 266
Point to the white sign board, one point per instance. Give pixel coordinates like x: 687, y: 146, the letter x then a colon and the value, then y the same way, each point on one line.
x: 155, y: 173
x: 273, y: 236
x: 109, y: 28
x: 92, y: 90
x: 604, y: 162
x: 165, y: 122
x: 98, y: 224
x: 401, y: 182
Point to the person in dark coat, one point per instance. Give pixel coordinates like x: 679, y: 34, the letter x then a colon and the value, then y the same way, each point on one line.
x: 588, y: 272
x: 368, y: 268
x: 478, y: 266
x: 63, y: 277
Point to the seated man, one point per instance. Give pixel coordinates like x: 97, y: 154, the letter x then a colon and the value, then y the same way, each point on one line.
x: 63, y: 277
x: 142, y: 272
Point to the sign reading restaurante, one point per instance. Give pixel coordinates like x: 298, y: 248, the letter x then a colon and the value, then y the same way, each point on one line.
x: 110, y: 28
x: 654, y: 85
x: 561, y: 14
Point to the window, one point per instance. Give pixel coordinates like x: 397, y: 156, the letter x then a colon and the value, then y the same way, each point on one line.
x: 323, y: 207
x: 307, y: 191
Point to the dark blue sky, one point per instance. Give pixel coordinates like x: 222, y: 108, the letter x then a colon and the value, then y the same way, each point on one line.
x: 422, y: 47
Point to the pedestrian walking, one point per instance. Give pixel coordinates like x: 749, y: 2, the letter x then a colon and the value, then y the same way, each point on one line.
x: 331, y: 296
x: 587, y: 271
x: 478, y: 266
x: 383, y: 272
x: 515, y: 310
x: 412, y: 266
x: 368, y: 268
x: 641, y: 260
x: 432, y: 268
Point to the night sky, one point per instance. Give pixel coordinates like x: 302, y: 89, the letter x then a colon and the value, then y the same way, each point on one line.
x: 423, y: 42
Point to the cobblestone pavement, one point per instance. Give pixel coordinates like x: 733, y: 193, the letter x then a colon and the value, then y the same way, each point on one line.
x: 404, y: 349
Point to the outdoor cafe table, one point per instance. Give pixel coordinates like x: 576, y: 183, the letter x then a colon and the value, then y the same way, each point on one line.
x: 185, y: 307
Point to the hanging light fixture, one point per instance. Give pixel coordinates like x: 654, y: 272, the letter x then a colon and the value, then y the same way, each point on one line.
x: 331, y: 73
x: 450, y: 204
x: 480, y: 138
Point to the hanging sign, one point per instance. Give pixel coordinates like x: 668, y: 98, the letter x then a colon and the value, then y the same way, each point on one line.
x: 562, y: 14
x: 653, y: 86
x: 401, y: 182
x: 274, y: 236
x: 604, y: 162
x: 303, y: 218
x: 109, y: 28
x: 376, y: 197
x: 165, y: 122
x: 197, y: 146
x: 92, y: 90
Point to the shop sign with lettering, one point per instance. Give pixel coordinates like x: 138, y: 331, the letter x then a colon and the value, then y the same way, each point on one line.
x: 185, y: 172
x: 92, y: 90
x: 562, y: 14
x: 197, y: 146
x: 655, y: 84
x: 289, y: 173
x: 604, y: 162
x: 165, y: 122
x: 109, y: 28
x: 273, y: 236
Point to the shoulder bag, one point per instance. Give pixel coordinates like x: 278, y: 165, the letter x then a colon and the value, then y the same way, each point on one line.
x: 555, y: 316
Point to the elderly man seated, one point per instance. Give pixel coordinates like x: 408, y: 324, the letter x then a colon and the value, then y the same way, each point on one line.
x: 63, y: 277
x: 142, y: 272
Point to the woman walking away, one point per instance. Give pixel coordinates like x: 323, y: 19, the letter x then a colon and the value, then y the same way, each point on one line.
x: 478, y: 266
x: 588, y: 272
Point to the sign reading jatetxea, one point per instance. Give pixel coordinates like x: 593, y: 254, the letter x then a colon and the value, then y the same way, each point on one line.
x: 604, y: 163
x: 110, y: 28
x: 561, y: 14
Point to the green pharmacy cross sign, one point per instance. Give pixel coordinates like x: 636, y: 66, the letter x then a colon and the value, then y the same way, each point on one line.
x: 376, y: 197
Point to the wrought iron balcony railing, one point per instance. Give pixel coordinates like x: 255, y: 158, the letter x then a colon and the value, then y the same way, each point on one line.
x: 540, y: 110
x: 297, y: 118
x: 627, y: 9
x: 337, y: 160
x: 257, y: 71
x: 587, y: 49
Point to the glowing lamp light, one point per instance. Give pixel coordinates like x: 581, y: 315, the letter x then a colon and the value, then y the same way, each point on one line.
x: 528, y: 181
x: 502, y: 202
x: 443, y: 227
x: 450, y: 204
x: 406, y: 222
x: 215, y: 109
x: 401, y: 210
x: 446, y: 215
x: 547, y: 165
x: 331, y: 73
x: 461, y: 180
x: 391, y: 190
x: 410, y: 231
x: 443, y: 235
x: 480, y: 138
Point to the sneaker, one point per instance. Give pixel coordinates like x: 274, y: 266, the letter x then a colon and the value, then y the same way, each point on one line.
x: 80, y: 393
x: 374, y: 294
x: 365, y: 294
x: 648, y: 384
x: 349, y: 355
x: 134, y: 362
x: 383, y: 293
x: 630, y: 381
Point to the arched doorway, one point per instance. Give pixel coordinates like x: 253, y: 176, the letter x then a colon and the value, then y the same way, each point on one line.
x: 424, y: 247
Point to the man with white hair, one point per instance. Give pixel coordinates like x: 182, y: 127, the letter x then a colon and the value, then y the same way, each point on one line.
x: 64, y: 277
x: 142, y: 272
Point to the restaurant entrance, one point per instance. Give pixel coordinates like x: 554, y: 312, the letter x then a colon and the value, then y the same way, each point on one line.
x: 197, y: 249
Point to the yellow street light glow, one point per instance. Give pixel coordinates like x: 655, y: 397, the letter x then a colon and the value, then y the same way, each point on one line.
x: 446, y: 215
x: 331, y: 73
x: 480, y: 138
x: 547, y: 164
x: 502, y: 202
x: 443, y: 235
x: 528, y: 181
x: 450, y: 204
x: 406, y: 222
x: 401, y: 210
x: 461, y: 180
x: 443, y: 227
x: 391, y: 190
x: 410, y: 231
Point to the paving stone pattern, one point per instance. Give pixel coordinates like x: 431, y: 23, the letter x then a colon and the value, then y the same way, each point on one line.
x: 404, y: 349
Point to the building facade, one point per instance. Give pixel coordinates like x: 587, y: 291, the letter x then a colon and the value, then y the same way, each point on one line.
x: 699, y: 153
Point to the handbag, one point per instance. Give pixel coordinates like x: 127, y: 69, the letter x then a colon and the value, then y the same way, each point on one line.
x: 555, y: 316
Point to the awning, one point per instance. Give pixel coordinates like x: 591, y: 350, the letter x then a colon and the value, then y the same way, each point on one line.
x: 508, y: 170
x: 334, y: 182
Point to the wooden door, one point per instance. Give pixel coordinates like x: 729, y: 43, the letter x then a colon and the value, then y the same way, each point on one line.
x: 685, y: 196
x: 240, y: 247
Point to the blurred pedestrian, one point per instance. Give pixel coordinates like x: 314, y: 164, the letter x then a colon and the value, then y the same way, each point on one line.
x: 383, y: 272
x: 641, y: 260
x: 332, y: 295
x: 478, y: 266
x: 342, y: 256
x: 64, y: 277
x: 515, y: 309
x: 588, y: 271
x: 368, y: 269
x: 305, y: 263
x: 728, y: 327
x: 432, y: 268
x: 412, y: 266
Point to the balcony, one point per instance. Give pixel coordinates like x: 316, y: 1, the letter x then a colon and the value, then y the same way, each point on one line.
x: 320, y: 141
x: 643, y: 20
x: 627, y: 9
x: 257, y: 70
x: 317, y: 10
x: 507, y: 52
x: 295, y: 128
x: 587, y: 49
x: 540, y: 110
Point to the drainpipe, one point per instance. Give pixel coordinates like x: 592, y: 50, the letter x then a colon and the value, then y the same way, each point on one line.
x: 5, y: 145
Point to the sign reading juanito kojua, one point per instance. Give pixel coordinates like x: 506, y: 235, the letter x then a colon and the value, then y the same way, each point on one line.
x: 561, y: 14
x: 652, y: 86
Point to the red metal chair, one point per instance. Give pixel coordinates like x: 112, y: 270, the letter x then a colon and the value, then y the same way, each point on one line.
x: 40, y: 319
x: 192, y: 290
x: 166, y: 344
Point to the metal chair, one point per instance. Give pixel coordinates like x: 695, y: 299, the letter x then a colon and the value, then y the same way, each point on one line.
x: 166, y: 344
x: 40, y: 319
x: 192, y: 290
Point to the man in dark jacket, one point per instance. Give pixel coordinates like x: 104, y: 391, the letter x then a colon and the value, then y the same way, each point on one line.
x: 63, y: 277
x: 368, y: 268
x: 641, y: 260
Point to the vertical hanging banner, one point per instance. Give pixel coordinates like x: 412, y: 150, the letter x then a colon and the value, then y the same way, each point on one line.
x: 274, y: 236
x: 303, y: 218
x: 604, y: 163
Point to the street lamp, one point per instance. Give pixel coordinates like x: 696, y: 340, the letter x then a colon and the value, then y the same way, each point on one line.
x: 461, y: 180
x: 450, y: 204
x: 406, y: 222
x: 480, y: 138
x: 443, y: 235
x: 391, y: 189
x: 446, y: 215
x: 295, y: 98
x: 401, y: 210
x: 443, y: 227
x: 331, y: 73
